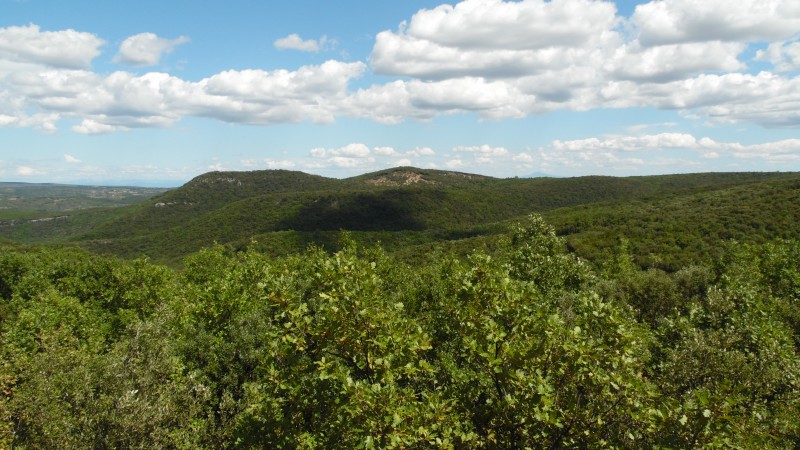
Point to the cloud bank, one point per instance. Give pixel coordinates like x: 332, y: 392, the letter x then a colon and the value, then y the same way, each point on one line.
x: 491, y: 58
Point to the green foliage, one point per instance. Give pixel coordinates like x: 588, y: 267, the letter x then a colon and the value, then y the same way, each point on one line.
x: 677, y: 230
x: 542, y: 371
x: 351, y: 348
x: 538, y: 256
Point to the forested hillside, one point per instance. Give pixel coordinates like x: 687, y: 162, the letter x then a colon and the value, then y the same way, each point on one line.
x: 532, y: 347
x: 282, y: 212
x: 641, y: 312
x: 47, y: 213
x: 669, y: 221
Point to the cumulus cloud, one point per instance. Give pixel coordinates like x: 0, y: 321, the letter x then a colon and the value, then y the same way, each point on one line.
x: 482, y: 149
x: 525, y: 24
x: 784, y: 55
x: 630, y: 143
x: 46, y: 122
x: 492, y: 38
x: 280, y: 96
x: 680, y: 21
x: 146, y: 49
x: 420, y: 151
x: 25, y: 171
x: 483, y: 154
x: 356, y: 150
x: 709, y: 148
x: 346, y: 162
x: 295, y: 42
x: 642, y: 154
x: 674, y: 61
x: 523, y: 157
x: 89, y: 126
x: 480, y: 56
x: 122, y: 100
x: 455, y: 163
x: 360, y: 156
x: 766, y: 99
x: 492, y: 58
x: 71, y: 159
x: 350, y: 156
x: 67, y: 49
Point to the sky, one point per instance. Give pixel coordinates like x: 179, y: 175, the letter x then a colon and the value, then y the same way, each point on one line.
x: 154, y: 93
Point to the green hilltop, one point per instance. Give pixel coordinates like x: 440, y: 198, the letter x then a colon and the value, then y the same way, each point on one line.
x: 409, y: 211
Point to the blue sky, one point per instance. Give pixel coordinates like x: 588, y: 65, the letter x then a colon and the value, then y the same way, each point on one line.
x: 155, y: 93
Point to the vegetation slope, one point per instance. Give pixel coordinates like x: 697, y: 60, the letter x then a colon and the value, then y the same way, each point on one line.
x: 481, y: 327
x: 530, y: 348
x: 282, y: 211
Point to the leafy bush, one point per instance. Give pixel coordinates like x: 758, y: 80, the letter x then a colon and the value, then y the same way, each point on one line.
x: 526, y: 348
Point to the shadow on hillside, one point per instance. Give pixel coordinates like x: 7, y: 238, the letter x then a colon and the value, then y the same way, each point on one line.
x: 368, y: 211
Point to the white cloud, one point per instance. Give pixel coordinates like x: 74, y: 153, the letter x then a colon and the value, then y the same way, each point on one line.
x: 676, y: 61
x: 25, y: 171
x: 347, y: 162
x: 146, y: 49
x: 521, y: 25
x: 523, y: 157
x: 483, y: 149
x: 454, y: 163
x: 495, y: 59
x: 402, y: 162
x: 784, y: 55
x: 356, y: 150
x: 630, y: 143
x: 122, y: 100
x: 492, y: 38
x: 7, y: 121
x: 355, y: 155
x: 44, y: 122
x: 68, y: 49
x: 680, y: 21
x: 89, y: 126
x: 384, y: 151
x: 295, y: 42
x: 607, y: 149
x: 466, y: 94
x: 420, y: 151
x: 644, y: 126
x: 266, y: 97
x: 479, y: 56
x: 766, y: 99
x: 71, y: 159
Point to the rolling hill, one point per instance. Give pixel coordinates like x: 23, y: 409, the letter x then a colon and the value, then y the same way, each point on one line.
x: 410, y: 211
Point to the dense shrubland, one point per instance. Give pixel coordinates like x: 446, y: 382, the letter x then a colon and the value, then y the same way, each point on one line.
x: 410, y: 210
x: 528, y: 347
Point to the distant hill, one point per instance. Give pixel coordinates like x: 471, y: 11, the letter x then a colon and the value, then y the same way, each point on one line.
x: 50, y: 213
x: 672, y: 231
x: 406, y: 209
x: 289, y: 208
x: 65, y: 197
